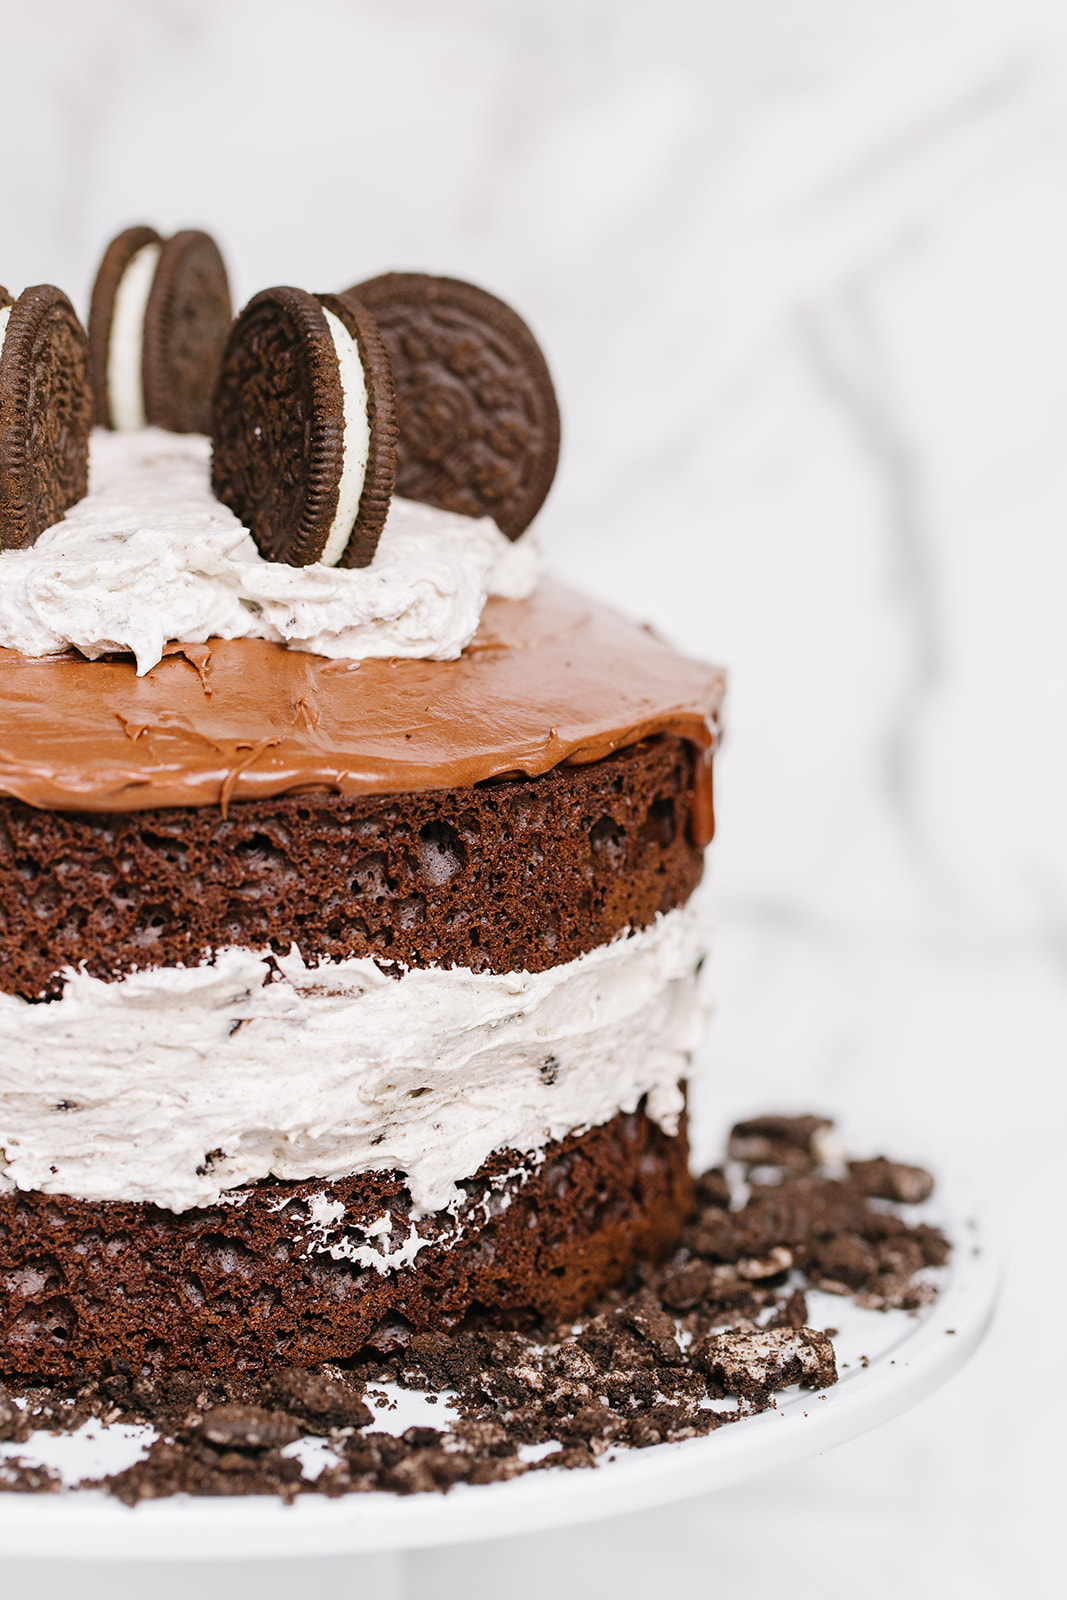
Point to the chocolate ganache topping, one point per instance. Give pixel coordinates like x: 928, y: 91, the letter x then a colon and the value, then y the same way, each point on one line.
x: 552, y: 680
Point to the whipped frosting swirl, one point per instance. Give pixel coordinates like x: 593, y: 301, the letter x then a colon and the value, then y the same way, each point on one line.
x: 176, y: 1085
x: 150, y: 557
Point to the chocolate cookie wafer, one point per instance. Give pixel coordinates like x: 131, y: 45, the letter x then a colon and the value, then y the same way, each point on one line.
x: 45, y: 413
x: 304, y: 437
x: 186, y: 325
x: 476, y: 410
x: 158, y: 323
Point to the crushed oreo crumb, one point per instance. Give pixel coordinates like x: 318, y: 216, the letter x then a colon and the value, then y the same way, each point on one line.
x: 691, y: 1344
x: 891, y: 1180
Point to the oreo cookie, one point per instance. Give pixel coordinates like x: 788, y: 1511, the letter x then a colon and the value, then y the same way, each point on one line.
x: 158, y: 323
x: 45, y: 413
x: 476, y: 409
x: 304, y: 434
x: 116, y: 332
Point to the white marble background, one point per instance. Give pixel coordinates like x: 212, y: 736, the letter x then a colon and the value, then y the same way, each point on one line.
x: 801, y: 270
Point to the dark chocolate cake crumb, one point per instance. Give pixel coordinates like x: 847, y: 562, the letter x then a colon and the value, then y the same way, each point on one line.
x: 16, y: 1477
x: 321, y: 1403
x: 10, y: 1416
x: 773, y: 1141
x: 891, y: 1180
x: 694, y: 1343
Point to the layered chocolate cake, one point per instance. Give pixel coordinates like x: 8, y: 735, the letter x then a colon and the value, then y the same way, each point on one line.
x: 349, y: 963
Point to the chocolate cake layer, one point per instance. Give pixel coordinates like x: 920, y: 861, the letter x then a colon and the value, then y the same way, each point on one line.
x: 93, y: 1287
x: 517, y: 874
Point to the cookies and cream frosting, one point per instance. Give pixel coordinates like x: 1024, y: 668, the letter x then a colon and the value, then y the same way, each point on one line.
x: 150, y: 556
x: 178, y: 1085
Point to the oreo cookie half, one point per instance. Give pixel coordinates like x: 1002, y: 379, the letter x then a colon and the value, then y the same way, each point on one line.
x: 158, y: 322
x: 304, y: 435
x: 45, y: 413
x: 476, y: 409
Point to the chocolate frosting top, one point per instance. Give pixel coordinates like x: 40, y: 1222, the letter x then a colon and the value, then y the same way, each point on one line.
x: 551, y: 680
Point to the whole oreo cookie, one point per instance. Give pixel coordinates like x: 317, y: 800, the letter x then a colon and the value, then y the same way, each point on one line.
x: 45, y: 413
x: 476, y: 409
x: 304, y: 435
x: 158, y: 322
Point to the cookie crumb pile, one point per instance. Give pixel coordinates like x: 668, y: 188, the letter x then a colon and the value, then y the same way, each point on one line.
x: 698, y: 1342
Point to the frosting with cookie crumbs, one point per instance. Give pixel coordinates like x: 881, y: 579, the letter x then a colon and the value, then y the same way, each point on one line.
x: 150, y: 557
x: 190, y: 1082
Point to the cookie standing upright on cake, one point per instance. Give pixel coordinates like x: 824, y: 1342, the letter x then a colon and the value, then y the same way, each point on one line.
x: 304, y: 433
x: 476, y: 409
x: 158, y: 322
x: 45, y: 413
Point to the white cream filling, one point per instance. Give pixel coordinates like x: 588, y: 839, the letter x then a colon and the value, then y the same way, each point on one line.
x: 151, y: 556
x: 176, y: 1085
x: 125, y: 346
x: 356, y: 439
x: 5, y: 317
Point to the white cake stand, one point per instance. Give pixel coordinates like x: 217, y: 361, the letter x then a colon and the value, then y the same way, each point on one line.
x: 888, y: 1362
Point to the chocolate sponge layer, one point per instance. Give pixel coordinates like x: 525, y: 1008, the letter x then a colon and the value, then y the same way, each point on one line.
x: 91, y: 1286
x: 514, y: 874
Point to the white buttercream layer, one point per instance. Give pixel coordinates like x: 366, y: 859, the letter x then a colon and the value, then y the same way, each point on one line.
x: 176, y: 1085
x: 150, y: 556
x: 5, y: 318
x: 125, y: 345
x: 356, y: 439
